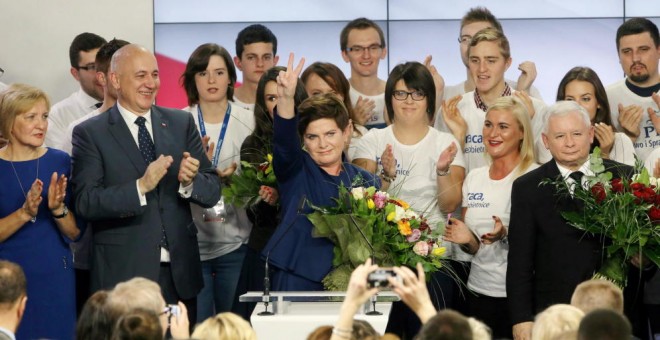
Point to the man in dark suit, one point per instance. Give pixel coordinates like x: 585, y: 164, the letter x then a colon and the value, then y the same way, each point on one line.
x: 138, y: 203
x: 13, y: 297
x: 547, y: 257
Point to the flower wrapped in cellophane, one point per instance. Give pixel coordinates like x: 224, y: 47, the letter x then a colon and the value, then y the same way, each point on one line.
x: 243, y: 187
x: 399, y: 235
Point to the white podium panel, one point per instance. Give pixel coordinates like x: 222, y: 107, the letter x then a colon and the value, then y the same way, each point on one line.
x: 298, y: 313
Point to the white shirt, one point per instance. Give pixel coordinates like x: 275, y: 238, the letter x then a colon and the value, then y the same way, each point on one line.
x: 648, y: 139
x: 416, y: 179
x: 484, y: 198
x: 249, y: 107
x: 378, y: 117
x: 67, y: 144
x: 66, y: 111
x: 459, y: 89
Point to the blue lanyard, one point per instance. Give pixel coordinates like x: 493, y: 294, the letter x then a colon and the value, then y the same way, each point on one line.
x: 221, y: 137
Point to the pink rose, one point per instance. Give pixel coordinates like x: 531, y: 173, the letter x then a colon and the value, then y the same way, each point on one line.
x: 421, y: 248
x: 380, y: 199
x: 414, y: 236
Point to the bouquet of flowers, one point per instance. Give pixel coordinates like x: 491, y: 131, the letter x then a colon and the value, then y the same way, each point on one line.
x: 243, y: 187
x: 399, y: 235
x: 625, y: 211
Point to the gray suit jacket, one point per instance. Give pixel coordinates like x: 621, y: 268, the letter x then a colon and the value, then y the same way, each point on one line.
x: 106, y: 164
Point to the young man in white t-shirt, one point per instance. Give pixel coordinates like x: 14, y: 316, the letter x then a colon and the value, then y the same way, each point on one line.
x: 489, y: 57
x: 631, y: 103
x: 472, y: 22
x: 363, y: 46
x: 256, y: 52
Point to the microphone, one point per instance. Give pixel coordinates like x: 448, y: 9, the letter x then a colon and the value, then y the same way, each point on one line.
x: 349, y: 210
x: 266, y: 297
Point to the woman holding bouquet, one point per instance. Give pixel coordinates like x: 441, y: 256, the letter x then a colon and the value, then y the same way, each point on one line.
x: 509, y: 145
x: 265, y: 214
x: 311, y: 175
x: 209, y: 80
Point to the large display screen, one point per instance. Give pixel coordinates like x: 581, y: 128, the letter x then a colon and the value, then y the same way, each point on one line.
x: 555, y: 34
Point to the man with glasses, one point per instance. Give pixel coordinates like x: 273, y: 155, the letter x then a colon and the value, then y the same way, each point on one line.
x: 82, y: 54
x: 256, y: 52
x: 474, y: 21
x: 362, y: 45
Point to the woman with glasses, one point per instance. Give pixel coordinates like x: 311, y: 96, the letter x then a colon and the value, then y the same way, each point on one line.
x: 415, y: 162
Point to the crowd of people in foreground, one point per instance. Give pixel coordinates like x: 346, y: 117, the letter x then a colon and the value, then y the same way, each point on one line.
x: 113, y: 188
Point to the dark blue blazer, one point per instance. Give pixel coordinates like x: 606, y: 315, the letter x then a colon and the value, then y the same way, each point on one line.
x: 106, y: 164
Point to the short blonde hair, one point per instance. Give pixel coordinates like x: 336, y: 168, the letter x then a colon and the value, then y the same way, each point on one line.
x: 555, y: 321
x: 492, y: 35
x: 479, y: 330
x: 135, y: 293
x: 597, y: 294
x: 15, y: 100
x: 224, y: 326
x: 521, y: 114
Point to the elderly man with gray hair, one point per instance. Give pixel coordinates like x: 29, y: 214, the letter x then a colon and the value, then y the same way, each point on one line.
x: 547, y: 257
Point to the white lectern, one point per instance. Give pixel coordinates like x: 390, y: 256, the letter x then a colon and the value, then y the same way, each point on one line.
x: 296, y: 314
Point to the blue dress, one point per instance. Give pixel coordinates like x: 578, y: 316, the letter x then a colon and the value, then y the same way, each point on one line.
x: 41, y: 250
x: 302, y: 261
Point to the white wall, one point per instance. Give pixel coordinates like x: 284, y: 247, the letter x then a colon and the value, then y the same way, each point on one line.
x: 35, y: 36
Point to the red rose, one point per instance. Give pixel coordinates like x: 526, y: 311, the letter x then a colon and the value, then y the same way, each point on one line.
x: 654, y: 213
x: 617, y: 185
x: 636, y: 186
x: 598, y: 190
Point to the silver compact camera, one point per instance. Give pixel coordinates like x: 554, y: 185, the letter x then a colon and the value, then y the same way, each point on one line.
x: 378, y: 278
x: 173, y: 310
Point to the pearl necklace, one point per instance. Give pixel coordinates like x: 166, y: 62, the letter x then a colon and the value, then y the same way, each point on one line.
x: 34, y: 218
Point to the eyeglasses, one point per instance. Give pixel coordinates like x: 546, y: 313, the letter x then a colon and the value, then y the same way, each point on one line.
x: 403, y: 95
x: 464, y: 39
x: 375, y: 48
x: 88, y: 67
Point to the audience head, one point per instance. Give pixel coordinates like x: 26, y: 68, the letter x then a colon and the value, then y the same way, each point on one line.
x: 267, y: 100
x: 136, y: 293
x: 479, y: 330
x: 473, y: 21
x: 362, y: 44
x: 507, y: 121
x: 488, y: 53
x: 638, y: 46
x: 321, y: 333
x: 256, y: 52
x: 24, y: 109
x: 555, y: 321
x: 319, y: 78
x: 134, y: 74
x: 582, y: 85
x: 414, y: 78
x: 567, y: 133
x: 138, y: 324
x: 13, y: 294
x: 209, y: 67
x: 82, y: 54
x: 604, y: 324
x: 95, y: 321
x: 103, y: 58
x: 598, y: 294
x: 447, y: 324
x: 224, y: 326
